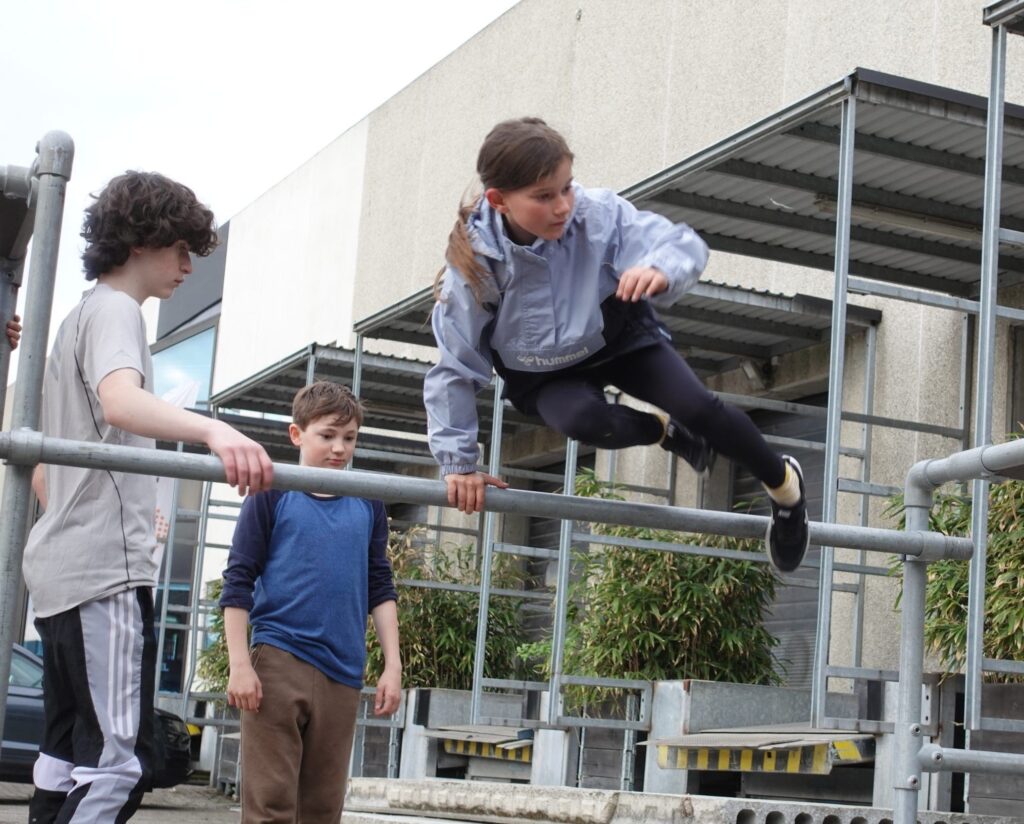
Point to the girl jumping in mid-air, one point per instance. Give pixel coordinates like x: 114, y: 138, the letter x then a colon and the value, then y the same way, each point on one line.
x: 551, y: 285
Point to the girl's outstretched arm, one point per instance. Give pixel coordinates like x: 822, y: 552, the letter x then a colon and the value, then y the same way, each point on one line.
x: 463, y: 368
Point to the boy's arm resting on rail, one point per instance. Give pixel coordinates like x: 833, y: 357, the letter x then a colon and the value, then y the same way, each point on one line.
x: 128, y: 406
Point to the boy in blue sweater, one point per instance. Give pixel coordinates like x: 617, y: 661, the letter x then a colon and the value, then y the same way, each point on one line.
x: 305, y: 570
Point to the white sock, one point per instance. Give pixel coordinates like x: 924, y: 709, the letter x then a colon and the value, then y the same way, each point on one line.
x: 664, y: 425
x: 788, y: 492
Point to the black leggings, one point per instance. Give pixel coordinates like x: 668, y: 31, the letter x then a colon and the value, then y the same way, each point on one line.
x: 575, y: 405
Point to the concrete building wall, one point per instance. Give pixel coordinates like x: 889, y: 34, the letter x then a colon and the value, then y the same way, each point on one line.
x: 635, y: 87
x: 290, y: 273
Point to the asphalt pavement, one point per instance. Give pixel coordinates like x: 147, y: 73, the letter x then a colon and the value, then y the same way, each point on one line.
x: 184, y: 804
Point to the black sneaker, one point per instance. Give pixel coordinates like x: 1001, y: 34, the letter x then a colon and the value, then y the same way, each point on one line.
x: 788, y: 536
x: 691, y: 447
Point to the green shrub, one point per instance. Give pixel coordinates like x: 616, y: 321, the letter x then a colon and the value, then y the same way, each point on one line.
x: 437, y: 627
x: 212, y: 663
x: 653, y: 615
x: 945, y: 626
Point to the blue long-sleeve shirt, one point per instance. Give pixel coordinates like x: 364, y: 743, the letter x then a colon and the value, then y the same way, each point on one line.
x: 308, y: 570
x: 541, y: 306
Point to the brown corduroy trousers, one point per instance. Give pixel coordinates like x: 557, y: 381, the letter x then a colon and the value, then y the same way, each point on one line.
x: 296, y: 749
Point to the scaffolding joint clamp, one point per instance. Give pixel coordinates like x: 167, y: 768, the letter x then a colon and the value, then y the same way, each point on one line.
x: 930, y: 758
x: 938, y: 547
x: 25, y: 446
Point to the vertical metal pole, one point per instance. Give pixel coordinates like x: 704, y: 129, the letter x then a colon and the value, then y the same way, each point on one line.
x: 487, y: 559
x: 56, y: 153
x: 613, y: 454
x: 626, y: 773
x: 195, y: 595
x: 907, y: 733
x: 985, y: 377
x: 581, y: 751
x: 833, y: 431
x: 907, y: 771
x: 9, y: 283
x: 966, y: 379
x: 15, y: 182
x: 865, y: 501
x: 393, y: 752
x: 562, y: 590
x: 167, y: 562
x: 357, y: 367
x: 311, y: 367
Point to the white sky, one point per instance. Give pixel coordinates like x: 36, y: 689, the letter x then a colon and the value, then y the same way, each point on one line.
x: 227, y: 96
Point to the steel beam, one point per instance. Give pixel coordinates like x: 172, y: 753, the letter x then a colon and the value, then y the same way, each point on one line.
x: 52, y: 171
x: 942, y: 759
x: 25, y: 447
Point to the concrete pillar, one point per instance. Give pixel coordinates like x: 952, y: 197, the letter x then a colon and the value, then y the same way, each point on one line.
x: 419, y: 753
x: 668, y: 708
x: 550, y: 753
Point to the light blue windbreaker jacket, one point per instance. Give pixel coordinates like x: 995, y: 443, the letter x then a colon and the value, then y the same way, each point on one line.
x: 542, y: 311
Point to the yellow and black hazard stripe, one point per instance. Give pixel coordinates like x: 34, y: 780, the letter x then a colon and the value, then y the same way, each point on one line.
x: 814, y: 759
x: 482, y: 750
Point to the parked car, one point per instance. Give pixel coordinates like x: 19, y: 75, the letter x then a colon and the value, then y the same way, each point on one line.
x: 23, y: 729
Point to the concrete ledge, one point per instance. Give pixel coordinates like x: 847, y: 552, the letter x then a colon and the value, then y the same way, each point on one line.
x: 378, y: 800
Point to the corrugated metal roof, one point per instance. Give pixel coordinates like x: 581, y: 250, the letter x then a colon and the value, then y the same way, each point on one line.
x: 1009, y: 13
x: 391, y: 388
x: 769, y: 191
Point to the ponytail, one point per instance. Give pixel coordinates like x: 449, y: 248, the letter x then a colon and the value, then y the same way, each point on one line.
x: 461, y: 257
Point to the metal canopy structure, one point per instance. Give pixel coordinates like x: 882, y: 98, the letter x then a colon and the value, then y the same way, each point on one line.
x: 770, y: 191
x: 895, y: 270
x: 391, y: 387
x: 875, y: 177
x: 882, y: 181
x: 714, y: 326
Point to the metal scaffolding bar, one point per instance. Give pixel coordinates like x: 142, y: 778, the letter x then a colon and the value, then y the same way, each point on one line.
x: 486, y: 560
x: 15, y: 184
x: 562, y: 589
x: 833, y: 431
x: 922, y: 481
x: 942, y: 759
x: 26, y: 447
x: 985, y: 376
x: 52, y: 172
x: 865, y: 501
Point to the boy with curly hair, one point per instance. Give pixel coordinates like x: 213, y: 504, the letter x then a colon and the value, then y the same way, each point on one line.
x: 89, y: 563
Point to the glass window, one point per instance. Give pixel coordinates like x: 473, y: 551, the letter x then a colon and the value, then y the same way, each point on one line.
x: 25, y: 672
x: 182, y: 372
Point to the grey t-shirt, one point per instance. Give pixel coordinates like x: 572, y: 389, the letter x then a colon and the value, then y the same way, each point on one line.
x: 96, y: 536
